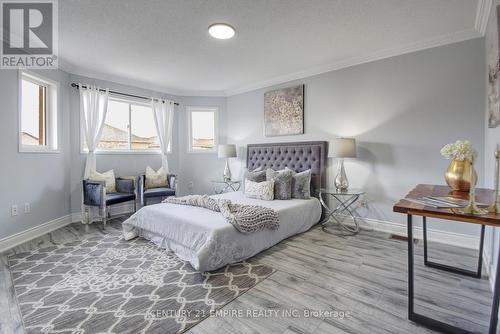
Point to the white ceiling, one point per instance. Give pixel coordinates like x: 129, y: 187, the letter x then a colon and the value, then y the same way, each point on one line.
x: 164, y: 45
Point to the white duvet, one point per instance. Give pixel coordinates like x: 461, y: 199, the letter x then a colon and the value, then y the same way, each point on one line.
x: 207, y: 240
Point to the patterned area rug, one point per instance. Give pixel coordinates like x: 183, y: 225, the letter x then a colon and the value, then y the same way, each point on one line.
x: 108, y: 285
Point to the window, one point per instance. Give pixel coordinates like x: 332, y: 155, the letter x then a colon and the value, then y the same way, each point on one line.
x: 37, y: 113
x: 202, y: 129
x: 129, y: 127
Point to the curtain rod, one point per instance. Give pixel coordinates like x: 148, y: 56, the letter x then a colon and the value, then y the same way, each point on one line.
x: 119, y: 93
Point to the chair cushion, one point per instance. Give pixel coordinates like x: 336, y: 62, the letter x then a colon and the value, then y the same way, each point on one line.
x: 115, y: 198
x: 158, y: 192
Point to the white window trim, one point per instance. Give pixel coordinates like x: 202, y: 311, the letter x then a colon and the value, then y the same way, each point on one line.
x: 215, y: 110
x: 122, y: 152
x: 52, y: 113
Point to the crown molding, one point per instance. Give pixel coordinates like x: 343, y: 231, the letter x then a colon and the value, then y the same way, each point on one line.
x: 344, y: 63
x: 85, y: 72
x: 482, y: 15
x: 349, y: 62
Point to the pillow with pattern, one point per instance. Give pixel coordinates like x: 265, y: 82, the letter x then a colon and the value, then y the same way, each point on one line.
x: 156, y: 179
x: 259, y: 190
x: 301, y: 184
x: 255, y: 175
x: 108, y: 178
x: 282, y: 182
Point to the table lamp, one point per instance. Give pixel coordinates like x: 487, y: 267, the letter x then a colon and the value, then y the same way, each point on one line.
x: 227, y: 151
x: 342, y: 148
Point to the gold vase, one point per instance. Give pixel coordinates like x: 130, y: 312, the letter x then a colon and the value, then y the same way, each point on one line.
x: 458, y: 175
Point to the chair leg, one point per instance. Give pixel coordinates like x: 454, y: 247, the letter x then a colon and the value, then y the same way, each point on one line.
x: 135, y: 205
x: 104, y: 217
x: 86, y: 218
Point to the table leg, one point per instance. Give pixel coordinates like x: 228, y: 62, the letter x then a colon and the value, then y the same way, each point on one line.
x: 496, y: 298
x: 410, y: 267
x: 342, y: 207
x: 465, y: 272
x: 328, y: 213
x: 422, y: 319
x: 355, y: 229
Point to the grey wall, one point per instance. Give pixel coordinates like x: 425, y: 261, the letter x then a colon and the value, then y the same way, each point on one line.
x: 123, y: 164
x: 41, y: 179
x: 401, y: 110
x: 197, y: 169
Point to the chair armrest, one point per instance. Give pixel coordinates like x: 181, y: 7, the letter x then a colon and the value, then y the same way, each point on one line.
x: 172, y: 181
x: 94, y: 193
x: 125, y: 184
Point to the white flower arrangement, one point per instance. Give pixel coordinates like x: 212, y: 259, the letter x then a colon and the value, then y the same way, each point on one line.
x: 459, y: 150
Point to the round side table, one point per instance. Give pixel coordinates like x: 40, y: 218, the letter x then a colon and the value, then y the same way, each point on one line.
x: 345, y: 201
x: 222, y: 186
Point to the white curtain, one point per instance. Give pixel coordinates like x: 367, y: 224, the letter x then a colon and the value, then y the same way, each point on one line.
x: 163, y: 111
x: 93, y: 107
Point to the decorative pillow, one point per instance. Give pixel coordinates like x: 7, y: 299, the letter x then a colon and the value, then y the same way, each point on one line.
x: 255, y: 175
x: 259, y: 190
x: 156, y: 179
x: 108, y: 178
x: 301, y: 184
x: 282, y: 182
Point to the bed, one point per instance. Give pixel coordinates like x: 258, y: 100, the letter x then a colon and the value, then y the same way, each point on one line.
x: 207, y: 241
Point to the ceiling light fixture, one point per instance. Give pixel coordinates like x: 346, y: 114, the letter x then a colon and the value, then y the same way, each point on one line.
x: 221, y: 31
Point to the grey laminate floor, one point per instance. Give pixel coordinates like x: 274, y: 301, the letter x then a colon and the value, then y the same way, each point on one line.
x: 364, y: 276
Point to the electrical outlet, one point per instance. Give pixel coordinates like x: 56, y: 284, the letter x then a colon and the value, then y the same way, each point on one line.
x: 27, y: 208
x: 363, y: 203
x: 13, y: 210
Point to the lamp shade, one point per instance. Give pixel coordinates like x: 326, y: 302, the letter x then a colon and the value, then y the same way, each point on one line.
x: 227, y: 151
x: 342, y: 148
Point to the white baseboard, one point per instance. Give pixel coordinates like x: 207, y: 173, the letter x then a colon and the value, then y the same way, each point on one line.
x: 76, y: 217
x: 445, y: 237
x: 34, y: 232
x: 39, y: 230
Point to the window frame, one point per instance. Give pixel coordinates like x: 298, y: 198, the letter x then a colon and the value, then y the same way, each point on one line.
x: 189, y: 110
x: 51, y: 113
x: 128, y: 151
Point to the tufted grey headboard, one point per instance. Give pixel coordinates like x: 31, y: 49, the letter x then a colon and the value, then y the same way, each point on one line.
x: 298, y: 156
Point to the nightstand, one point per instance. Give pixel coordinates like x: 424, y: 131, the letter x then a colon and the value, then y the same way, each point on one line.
x: 345, y: 207
x: 222, y: 186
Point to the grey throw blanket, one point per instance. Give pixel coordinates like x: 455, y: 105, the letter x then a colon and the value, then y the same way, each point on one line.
x: 245, y: 218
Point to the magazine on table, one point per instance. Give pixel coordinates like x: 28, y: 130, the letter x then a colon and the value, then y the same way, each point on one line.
x: 442, y: 202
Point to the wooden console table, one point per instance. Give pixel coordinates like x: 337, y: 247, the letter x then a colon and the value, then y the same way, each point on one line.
x: 414, y: 209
